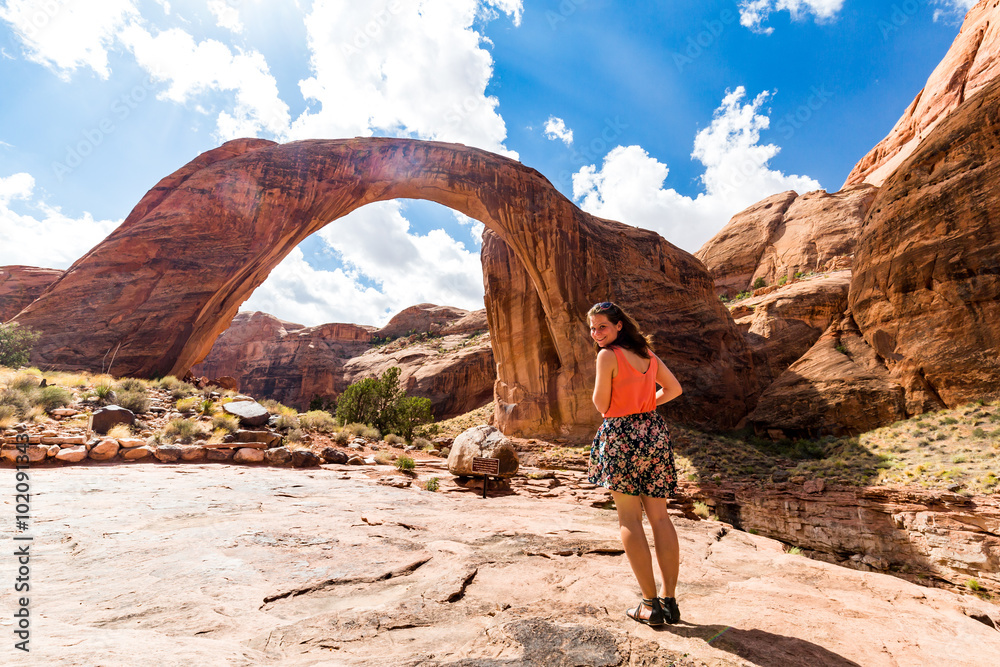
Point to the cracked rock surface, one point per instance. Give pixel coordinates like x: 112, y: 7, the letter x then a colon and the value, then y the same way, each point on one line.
x: 217, y: 565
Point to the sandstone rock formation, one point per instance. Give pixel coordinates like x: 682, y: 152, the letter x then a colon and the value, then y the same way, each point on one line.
x: 153, y: 301
x: 926, y: 286
x: 293, y: 364
x: 970, y: 64
x: 783, y: 324
x: 20, y: 285
x: 284, y: 361
x: 786, y: 234
x: 484, y: 442
x: 838, y: 387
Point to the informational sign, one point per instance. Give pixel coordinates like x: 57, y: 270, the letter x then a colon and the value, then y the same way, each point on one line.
x: 483, y: 466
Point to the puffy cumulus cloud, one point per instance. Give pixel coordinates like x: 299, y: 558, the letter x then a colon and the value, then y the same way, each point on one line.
x: 754, y: 13
x: 52, y: 239
x: 953, y: 10
x: 65, y: 35
x: 629, y: 185
x: 297, y: 292
x: 192, y: 69
x: 226, y: 16
x: 386, y: 268
x: 400, y: 68
x: 555, y: 128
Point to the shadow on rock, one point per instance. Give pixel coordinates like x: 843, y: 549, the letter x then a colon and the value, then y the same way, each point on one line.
x: 762, y: 648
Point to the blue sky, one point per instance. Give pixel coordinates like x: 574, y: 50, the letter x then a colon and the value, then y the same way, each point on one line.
x: 667, y: 115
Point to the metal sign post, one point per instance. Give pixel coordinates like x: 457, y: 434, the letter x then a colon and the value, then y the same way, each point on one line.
x: 486, y: 467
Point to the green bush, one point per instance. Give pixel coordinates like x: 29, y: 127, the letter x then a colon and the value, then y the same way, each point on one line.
x: 782, y: 280
x: 136, y: 401
x: 371, y: 433
x: 341, y: 437
x: 405, y: 463
x: 15, y: 344
x: 181, y: 429
x: 422, y: 443
x: 105, y: 393
x: 381, y: 403
x: 189, y: 404
x: 394, y: 439
x: 432, y: 484
x: 294, y: 435
x: 318, y: 420
x: 54, y: 397
x: 757, y: 284
x: 355, y: 428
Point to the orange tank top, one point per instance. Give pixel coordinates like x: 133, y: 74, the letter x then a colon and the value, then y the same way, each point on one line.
x: 632, y: 392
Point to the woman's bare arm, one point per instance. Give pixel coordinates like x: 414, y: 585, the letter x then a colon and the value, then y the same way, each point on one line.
x: 607, y: 366
x: 670, y: 388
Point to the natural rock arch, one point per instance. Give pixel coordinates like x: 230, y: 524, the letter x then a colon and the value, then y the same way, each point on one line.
x: 152, y: 298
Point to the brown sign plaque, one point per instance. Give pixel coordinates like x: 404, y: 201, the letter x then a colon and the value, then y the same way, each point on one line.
x: 485, y: 466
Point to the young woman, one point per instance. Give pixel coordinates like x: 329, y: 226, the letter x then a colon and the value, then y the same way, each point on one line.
x: 631, y: 455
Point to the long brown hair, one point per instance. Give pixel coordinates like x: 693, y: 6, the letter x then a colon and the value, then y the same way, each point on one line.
x: 630, y: 337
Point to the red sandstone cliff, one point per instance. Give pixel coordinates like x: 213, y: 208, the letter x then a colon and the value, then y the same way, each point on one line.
x: 20, y: 285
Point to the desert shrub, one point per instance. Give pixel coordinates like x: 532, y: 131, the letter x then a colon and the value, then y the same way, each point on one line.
x: 782, y: 280
x: 8, y: 416
x: 226, y: 422
x: 169, y: 383
x: 394, y: 439
x: 757, y: 284
x: 405, y: 463
x: 355, y: 428
x: 207, y: 407
x: 182, y: 429
x: 119, y: 431
x: 294, y: 435
x: 105, y: 393
x: 432, y: 484
x: 189, y: 404
x: 701, y: 510
x: 15, y: 344
x: 53, y: 397
x: 341, y: 437
x: 318, y: 420
x: 276, y: 408
x: 24, y: 382
x: 285, y: 422
x: 131, y: 384
x: 422, y: 443
x: 384, y: 458
x: 371, y: 433
x: 20, y: 402
x: 795, y: 551
x: 136, y: 401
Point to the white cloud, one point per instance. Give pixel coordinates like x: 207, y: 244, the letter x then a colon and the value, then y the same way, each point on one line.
x: 376, y: 246
x: 51, y: 240
x: 402, y: 68
x: 555, y: 128
x: 954, y: 10
x: 629, y: 185
x: 226, y: 16
x: 753, y: 13
x: 68, y: 34
x: 194, y: 69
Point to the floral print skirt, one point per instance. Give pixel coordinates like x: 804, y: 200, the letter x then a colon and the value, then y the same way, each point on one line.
x: 632, y: 455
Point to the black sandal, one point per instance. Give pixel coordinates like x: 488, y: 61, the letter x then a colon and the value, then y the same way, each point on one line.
x: 656, y: 616
x: 671, y: 612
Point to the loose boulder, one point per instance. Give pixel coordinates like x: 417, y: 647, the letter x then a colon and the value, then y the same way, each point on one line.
x: 303, y: 458
x: 334, y: 455
x: 103, y: 419
x: 278, y: 456
x: 250, y: 413
x: 248, y: 455
x: 168, y: 453
x: 104, y: 450
x: 484, y: 442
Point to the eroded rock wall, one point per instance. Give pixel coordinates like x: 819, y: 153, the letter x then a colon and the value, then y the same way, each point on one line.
x: 20, y: 285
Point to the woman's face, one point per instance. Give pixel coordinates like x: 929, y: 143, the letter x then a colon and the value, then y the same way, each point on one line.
x: 602, y: 330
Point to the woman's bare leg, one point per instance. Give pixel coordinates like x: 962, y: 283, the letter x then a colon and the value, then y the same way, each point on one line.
x: 665, y: 543
x: 636, y: 546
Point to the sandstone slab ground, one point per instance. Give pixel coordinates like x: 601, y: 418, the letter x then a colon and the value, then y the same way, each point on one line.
x: 163, y: 564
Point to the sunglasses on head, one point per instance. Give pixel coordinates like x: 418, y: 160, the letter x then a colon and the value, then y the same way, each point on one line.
x: 604, y: 305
